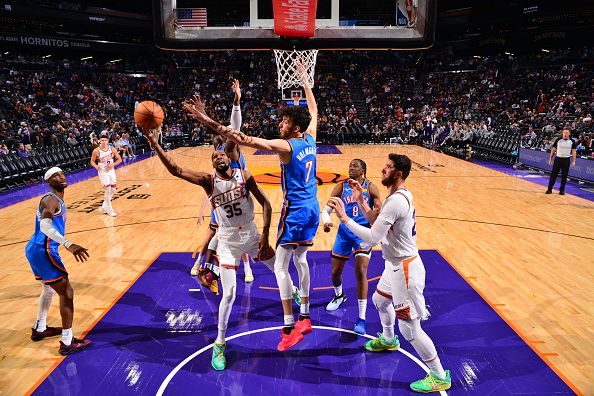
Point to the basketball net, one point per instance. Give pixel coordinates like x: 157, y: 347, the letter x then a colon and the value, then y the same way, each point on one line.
x: 296, y: 100
x: 295, y: 68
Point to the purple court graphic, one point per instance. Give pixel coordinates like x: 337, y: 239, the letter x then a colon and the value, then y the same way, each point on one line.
x: 157, y: 338
x: 325, y: 149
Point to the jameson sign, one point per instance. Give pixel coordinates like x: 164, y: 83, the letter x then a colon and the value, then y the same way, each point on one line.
x: 27, y: 40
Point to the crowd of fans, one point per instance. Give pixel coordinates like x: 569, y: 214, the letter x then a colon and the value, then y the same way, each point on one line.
x: 438, y: 100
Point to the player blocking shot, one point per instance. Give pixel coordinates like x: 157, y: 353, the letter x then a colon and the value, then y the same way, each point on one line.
x: 299, y: 219
x: 230, y: 193
x: 399, y: 293
x: 347, y: 243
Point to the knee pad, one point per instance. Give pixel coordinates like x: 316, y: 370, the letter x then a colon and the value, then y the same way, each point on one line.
x: 381, y: 302
x: 408, y: 328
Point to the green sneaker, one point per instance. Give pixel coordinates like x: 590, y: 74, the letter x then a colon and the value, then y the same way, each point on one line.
x: 432, y: 383
x: 218, y: 357
x: 380, y: 344
x: 297, y: 297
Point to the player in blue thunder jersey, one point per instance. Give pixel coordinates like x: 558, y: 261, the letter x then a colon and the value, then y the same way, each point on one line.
x: 233, y: 151
x: 46, y: 264
x: 299, y: 221
x: 347, y: 243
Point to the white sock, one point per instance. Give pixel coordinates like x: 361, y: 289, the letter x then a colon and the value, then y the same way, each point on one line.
x: 67, y: 336
x: 338, y: 290
x: 388, y: 332
x: 221, y: 336
x: 198, y: 260
x: 246, y: 265
x: 113, y: 191
x: 107, y: 197
x: 289, y: 320
x: 362, y: 307
x: 436, y: 367
x: 45, y: 301
x: 304, y: 311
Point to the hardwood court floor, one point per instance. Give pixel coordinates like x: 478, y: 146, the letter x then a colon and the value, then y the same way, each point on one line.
x: 528, y: 254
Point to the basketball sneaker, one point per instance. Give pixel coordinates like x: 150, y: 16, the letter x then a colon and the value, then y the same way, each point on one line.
x: 296, y: 297
x: 360, y: 327
x: 111, y: 212
x: 48, y: 332
x: 218, y: 360
x: 304, y: 325
x: 104, y: 208
x: 195, y: 268
x: 249, y: 276
x: 381, y: 344
x: 336, y: 302
x: 209, y: 280
x: 289, y: 340
x: 432, y: 383
x: 75, y: 346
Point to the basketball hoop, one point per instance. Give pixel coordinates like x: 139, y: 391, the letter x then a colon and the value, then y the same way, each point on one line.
x: 287, y: 66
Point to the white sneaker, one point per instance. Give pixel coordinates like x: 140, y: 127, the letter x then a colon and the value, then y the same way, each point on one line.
x: 249, y: 276
x: 111, y: 212
x: 104, y: 209
x: 195, y: 269
x: 336, y: 302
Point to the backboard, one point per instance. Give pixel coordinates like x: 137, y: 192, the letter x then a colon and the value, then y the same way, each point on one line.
x: 249, y: 25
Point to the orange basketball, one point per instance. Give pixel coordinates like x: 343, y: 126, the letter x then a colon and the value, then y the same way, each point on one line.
x: 148, y: 115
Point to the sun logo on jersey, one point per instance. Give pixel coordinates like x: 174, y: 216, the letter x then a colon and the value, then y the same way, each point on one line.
x: 274, y: 178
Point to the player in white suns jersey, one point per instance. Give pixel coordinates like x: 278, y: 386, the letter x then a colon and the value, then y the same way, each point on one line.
x: 399, y: 293
x: 230, y: 193
x: 105, y: 158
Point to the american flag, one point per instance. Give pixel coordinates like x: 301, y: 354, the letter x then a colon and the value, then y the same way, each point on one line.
x: 191, y: 17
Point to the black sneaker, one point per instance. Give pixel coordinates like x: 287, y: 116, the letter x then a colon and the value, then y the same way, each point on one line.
x: 549, y: 192
x: 48, y: 332
x: 75, y: 346
x: 561, y: 192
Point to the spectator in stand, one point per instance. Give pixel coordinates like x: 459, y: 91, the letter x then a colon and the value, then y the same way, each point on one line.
x: 71, y: 141
x: 21, y: 152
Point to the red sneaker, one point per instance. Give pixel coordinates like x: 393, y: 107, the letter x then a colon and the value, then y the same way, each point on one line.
x: 48, y: 332
x: 75, y: 346
x: 289, y: 340
x: 304, y: 326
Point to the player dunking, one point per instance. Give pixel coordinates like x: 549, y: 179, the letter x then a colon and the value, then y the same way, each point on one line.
x: 42, y: 254
x: 347, y: 243
x: 229, y: 191
x: 399, y: 293
x: 105, y: 158
x: 300, y: 213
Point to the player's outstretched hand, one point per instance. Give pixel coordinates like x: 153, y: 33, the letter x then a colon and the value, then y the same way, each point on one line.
x: 328, y: 227
x: 235, y: 88
x: 80, y: 253
x: 357, y: 189
x: 265, y: 251
x: 196, y: 109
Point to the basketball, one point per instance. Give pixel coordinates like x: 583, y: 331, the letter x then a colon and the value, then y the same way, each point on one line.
x: 148, y: 115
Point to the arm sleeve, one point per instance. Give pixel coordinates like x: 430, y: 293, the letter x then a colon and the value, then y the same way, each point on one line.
x: 236, y: 117
x: 326, y: 214
x: 394, y: 208
x: 48, y: 229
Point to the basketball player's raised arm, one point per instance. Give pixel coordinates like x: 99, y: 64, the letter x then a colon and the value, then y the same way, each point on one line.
x: 202, y: 179
x: 196, y: 110
x: 312, y: 106
x: 378, y: 231
x: 231, y: 147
